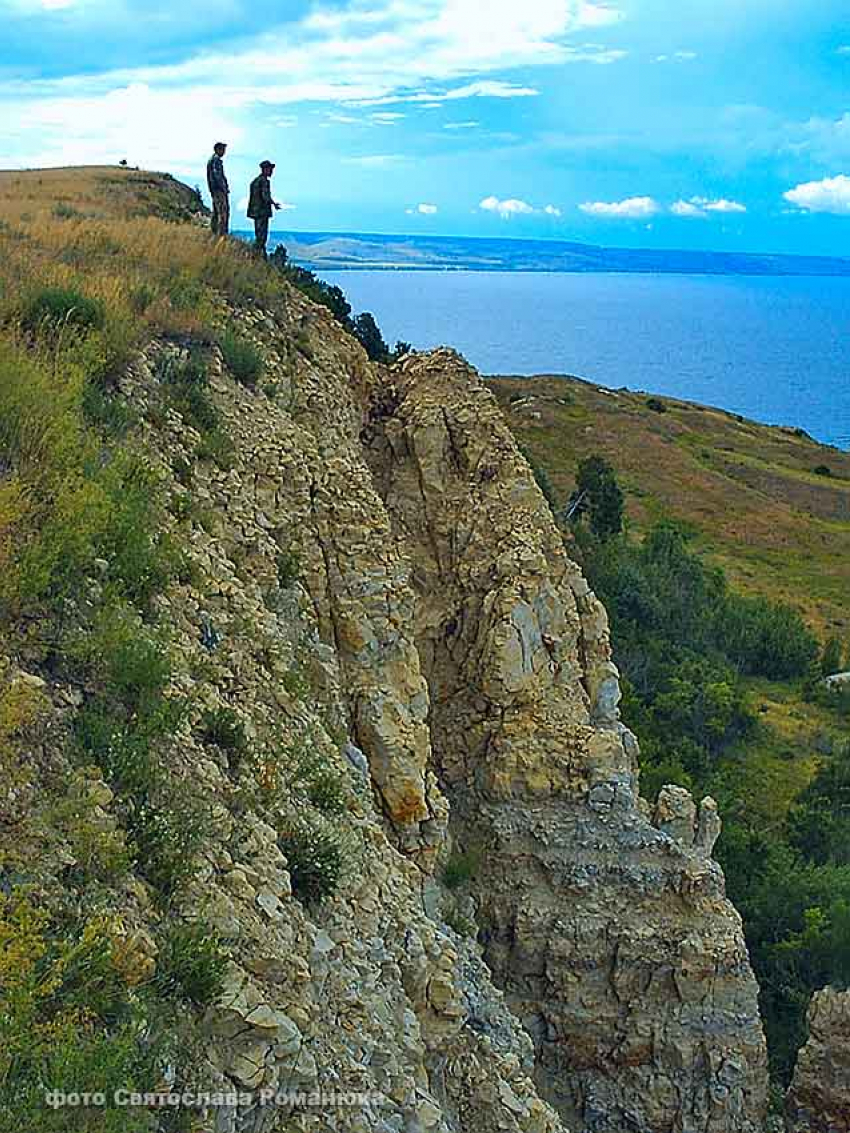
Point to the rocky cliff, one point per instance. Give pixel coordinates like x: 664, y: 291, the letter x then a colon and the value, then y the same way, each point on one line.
x: 819, y: 1098
x: 451, y: 638
x: 374, y: 586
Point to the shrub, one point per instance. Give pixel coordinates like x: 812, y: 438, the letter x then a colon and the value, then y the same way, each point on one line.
x: 767, y: 639
x: 598, y: 496
x: 106, y: 412
x: 822, y: 470
x: 314, y: 855
x: 461, y: 868
x: 168, y: 830
x: 242, y: 359
x: 656, y: 405
x: 66, y: 1020
x: 191, y: 964
x: 288, y: 565
x: 326, y: 294
x: 62, y: 305
x: 222, y: 727
x: 217, y: 447
x: 832, y: 658
x: 187, y: 383
x: 368, y: 334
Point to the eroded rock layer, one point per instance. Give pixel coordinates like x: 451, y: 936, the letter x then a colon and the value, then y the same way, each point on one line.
x: 612, y: 936
x: 819, y: 1098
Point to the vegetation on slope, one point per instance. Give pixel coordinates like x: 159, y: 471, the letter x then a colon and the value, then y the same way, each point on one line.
x: 93, y: 804
x: 754, y: 497
x: 697, y: 659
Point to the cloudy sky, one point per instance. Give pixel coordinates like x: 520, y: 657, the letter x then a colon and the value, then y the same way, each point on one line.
x: 655, y: 123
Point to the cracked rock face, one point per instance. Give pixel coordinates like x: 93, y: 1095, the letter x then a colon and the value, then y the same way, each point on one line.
x: 611, y: 936
x: 459, y: 675
x: 819, y: 1098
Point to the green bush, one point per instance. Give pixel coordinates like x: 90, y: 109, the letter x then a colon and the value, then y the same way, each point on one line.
x: 368, y: 334
x: 187, y: 383
x: 315, y: 859
x: 54, y: 306
x: 461, y: 868
x: 242, y: 359
x: 656, y: 405
x: 67, y: 1021
x: 191, y: 964
x: 767, y: 639
x: 168, y: 829
x: 598, y: 496
x: 221, y: 726
x: 288, y: 565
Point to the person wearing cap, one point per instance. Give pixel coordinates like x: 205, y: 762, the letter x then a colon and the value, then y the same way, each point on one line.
x: 219, y: 190
x: 261, y: 205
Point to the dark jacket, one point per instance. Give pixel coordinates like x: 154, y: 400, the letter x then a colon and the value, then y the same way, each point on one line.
x: 260, y: 198
x: 216, y: 180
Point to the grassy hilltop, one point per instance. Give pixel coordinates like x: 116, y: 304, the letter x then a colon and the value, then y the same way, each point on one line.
x: 751, y: 493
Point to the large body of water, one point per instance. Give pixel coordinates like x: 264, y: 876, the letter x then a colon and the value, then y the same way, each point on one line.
x: 774, y: 349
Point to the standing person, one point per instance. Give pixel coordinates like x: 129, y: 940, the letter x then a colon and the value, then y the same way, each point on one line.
x: 261, y: 206
x: 219, y: 190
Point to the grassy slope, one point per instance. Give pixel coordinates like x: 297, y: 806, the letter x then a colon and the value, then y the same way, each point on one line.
x: 758, y: 510
x: 749, y: 491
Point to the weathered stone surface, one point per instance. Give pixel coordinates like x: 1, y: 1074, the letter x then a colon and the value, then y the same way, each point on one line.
x: 612, y: 938
x: 436, y: 642
x: 819, y: 1098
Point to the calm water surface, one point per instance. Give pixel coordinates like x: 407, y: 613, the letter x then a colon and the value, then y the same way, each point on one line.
x: 774, y: 349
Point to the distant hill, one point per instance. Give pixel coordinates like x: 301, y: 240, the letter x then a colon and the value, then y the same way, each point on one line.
x: 335, y: 251
x: 768, y: 504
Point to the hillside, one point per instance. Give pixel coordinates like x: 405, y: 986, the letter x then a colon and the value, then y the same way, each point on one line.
x: 751, y: 493
x: 315, y: 798
x: 335, y: 251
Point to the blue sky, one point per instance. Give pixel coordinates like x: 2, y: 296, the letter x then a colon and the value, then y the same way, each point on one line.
x: 646, y: 123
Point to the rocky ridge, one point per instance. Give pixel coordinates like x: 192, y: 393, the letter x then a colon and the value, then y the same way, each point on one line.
x: 819, y: 1098
x: 440, y: 653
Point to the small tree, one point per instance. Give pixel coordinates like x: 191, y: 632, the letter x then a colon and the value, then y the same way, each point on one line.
x: 598, y: 496
x: 368, y: 333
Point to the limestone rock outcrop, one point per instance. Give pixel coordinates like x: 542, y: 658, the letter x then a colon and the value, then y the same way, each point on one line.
x: 819, y: 1098
x: 439, y: 650
x: 611, y: 936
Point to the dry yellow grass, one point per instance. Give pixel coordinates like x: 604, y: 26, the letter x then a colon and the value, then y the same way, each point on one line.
x: 132, y: 239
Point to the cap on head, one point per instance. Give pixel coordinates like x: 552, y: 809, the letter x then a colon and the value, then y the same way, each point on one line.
x: 266, y: 165
x: 220, y: 146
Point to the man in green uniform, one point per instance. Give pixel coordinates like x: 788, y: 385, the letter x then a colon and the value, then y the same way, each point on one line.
x: 219, y: 191
x: 261, y: 206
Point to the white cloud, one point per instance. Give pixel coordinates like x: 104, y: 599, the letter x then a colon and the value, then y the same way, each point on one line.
x: 368, y: 52
x: 633, y: 208
x: 513, y: 207
x: 386, y: 119
x: 702, y: 207
x: 461, y: 125
x: 488, y: 88
x: 677, y: 57
x: 423, y: 210
x: 724, y: 206
x: 687, y: 209
x: 507, y: 209
x: 831, y: 195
